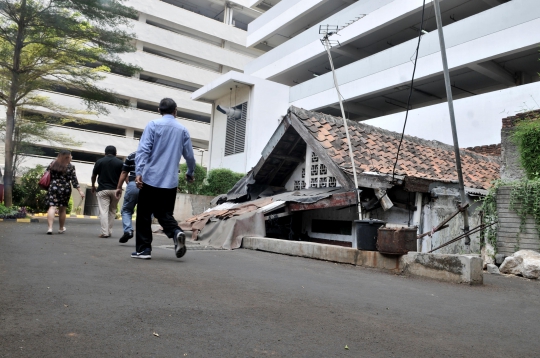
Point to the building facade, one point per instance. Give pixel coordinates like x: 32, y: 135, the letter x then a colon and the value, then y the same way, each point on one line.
x: 492, y: 49
x: 181, y: 46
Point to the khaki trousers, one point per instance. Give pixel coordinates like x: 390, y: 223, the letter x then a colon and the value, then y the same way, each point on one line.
x: 107, y: 210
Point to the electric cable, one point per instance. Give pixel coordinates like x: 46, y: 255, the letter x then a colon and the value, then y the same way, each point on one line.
x: 410, y: 90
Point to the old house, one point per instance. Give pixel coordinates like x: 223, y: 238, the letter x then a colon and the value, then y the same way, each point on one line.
x: 303, y: 187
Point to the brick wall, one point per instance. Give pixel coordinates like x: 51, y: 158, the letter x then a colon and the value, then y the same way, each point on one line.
x: 510, y: 166
x: 493, y: 150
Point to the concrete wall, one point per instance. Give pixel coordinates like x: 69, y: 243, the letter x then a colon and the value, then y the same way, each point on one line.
x: 267, y: 104
x: 443, y: 204
x: 188, y: 205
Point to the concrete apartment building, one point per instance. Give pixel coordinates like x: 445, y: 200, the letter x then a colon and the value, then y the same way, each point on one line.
x: 492, y: 48
x: 181, y: 46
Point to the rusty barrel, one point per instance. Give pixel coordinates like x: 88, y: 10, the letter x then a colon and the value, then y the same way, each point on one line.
x: 396, y: 241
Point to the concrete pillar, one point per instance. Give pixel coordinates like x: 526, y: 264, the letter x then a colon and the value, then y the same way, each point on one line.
x: 133, y: 103
x: 130, y: 133
x: 142, y: 17
x: 228, y: 15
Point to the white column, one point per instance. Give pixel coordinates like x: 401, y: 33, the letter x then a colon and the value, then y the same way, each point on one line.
x: 130, y: 133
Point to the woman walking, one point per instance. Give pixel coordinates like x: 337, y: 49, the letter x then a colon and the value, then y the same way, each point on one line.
x: 62, y: 176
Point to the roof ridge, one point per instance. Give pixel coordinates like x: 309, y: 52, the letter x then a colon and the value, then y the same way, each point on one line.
x: 416, y: 140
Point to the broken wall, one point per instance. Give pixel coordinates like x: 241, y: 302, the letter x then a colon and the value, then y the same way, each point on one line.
x: 443, y: 204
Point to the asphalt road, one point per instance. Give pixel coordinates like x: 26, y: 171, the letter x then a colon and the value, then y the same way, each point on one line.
x: 76, y: 295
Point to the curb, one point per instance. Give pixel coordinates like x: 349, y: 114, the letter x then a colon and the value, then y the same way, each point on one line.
x: 465, y: 269
x: 74, y: 216
x: 21, y: 220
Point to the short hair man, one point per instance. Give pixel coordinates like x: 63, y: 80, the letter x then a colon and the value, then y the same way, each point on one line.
x: 107, y: 171
x: 162, y: 145
x: 130, y: 197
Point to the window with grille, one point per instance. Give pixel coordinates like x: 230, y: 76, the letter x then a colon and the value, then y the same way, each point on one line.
x: 235, y: 136
x: 319, y: 175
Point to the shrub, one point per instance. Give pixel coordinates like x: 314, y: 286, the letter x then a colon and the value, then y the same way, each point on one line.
x: 28, y: 193
x: 220, y: 181
x: 70, y: 206
x: 197, y: 185
x: 12, y: 213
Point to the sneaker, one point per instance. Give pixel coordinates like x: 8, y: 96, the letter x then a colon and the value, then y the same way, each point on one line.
x: 145, y: 255
x: 179, y: 244
x: 126, y: 237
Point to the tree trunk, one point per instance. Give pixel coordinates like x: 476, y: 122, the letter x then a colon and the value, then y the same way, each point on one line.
x: 8, y: 169
x: 11, y: 106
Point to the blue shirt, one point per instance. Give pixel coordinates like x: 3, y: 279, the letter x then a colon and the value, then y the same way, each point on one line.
x: 162, y: 145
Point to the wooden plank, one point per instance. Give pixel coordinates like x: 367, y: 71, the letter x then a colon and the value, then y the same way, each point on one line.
x: 417, y: 185
x: 341, y: 199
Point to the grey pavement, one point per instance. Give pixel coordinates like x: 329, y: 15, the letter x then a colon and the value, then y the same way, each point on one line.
x: 76, y: 295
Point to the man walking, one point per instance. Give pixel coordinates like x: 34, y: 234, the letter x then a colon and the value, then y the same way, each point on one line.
x: 107, y: 171
x: 162, y: 145
x: 130, y: 197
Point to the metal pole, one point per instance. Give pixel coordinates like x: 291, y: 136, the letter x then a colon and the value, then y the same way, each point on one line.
x: 351, y: 155
x: 452, y: 117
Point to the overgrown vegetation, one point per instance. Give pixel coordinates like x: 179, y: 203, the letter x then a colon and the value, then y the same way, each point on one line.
x: 524, y: 200
x: 526, y: 135
x: 216, y: 182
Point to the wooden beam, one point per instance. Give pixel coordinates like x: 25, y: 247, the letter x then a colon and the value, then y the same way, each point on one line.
x: 336, y: 200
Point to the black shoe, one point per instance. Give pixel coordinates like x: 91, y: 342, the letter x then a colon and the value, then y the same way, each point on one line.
x: 179, y: 244
x: 126, y: 237
x: 145, y: 255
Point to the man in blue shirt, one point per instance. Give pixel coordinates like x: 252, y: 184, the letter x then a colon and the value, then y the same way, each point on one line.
x: 162, y: 145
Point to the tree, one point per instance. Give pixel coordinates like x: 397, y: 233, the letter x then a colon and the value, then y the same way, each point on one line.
x: 30, y: 131
x: 51, y: 44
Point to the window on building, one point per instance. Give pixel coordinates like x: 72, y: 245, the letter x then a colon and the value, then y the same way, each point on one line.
x: 235, y: 136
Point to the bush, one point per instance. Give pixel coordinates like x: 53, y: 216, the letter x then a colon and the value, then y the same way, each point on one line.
x: 28, y: 193
x: 12, y: 213
x: 70, y: 206
x: 197, y: 185
x: 220, y: 181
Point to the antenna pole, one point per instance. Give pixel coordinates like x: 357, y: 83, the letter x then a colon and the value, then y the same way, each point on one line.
x: 327, y: 46
x: 452, y: 119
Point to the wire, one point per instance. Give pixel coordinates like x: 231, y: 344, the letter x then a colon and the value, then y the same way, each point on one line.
x: 410, y: 90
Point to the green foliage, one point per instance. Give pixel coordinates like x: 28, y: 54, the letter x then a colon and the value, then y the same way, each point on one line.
x: 526, y: 135
x: 220, y: 181
x: 197, y: 185
x: 524, y: 200
x: 4, y: 210
x: 69, y: 208
x: 28, y: 193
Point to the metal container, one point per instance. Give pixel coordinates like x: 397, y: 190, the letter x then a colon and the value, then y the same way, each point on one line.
x: 396, y: 241
x: 91, y: 206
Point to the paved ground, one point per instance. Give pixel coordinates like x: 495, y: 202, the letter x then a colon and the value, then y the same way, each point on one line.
x: 78, y: 295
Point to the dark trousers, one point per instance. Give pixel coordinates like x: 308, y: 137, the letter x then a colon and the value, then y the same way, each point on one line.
x: 157, y: 201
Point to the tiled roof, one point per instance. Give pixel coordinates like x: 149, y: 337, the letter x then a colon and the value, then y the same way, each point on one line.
x: 375, y: 150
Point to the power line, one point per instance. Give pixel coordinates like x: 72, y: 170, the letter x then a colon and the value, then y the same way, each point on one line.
x: 420, y: 32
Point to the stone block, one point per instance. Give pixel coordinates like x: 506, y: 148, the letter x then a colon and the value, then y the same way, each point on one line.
x: 499, y: 259
x: 493, y: 269
x: 451, y: 268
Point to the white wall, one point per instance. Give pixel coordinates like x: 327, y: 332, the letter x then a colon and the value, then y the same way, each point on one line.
x: 478, y: 118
